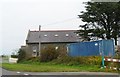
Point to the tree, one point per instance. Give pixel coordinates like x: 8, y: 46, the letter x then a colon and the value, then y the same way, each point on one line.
x: 15, y: 54
x: 84, y: 32
x: 104, y: 18
x: 21, y: 55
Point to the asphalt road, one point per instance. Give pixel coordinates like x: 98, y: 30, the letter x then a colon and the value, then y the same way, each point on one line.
x: 6, y: 73
x: 59, y: 76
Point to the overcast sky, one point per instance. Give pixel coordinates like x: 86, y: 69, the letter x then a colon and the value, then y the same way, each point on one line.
x: 18, y: 16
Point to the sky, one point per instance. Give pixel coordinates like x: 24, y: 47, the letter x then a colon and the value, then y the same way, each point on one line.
x: 18, y: 16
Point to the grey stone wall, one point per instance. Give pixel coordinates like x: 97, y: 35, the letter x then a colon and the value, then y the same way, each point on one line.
x: 30, y: 48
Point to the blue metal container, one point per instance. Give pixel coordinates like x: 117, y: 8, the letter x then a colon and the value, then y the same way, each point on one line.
x: 94, y: 48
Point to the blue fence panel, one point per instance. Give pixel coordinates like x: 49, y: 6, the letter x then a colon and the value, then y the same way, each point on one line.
x: 84, y: 48
x: 108, y: 47
x: 103, y: 47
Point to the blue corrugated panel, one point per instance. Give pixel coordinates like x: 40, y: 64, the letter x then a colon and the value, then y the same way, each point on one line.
x: 103, y: 47
x: 108, y: 47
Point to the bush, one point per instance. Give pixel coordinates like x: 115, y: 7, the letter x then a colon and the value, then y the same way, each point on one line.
x: 14, y: 56
x: 35, y: 59
x: 21, y: 55
x: 117, y: 56
x: 48, y: 54
x: 111, y: 64
x: 118, y: 50
x: 3, y: 56
x: 32, y: 60
x: 62, y: 51
x: 88, y: 60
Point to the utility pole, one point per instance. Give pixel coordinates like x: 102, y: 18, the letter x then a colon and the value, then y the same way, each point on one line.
x: 39, y: 40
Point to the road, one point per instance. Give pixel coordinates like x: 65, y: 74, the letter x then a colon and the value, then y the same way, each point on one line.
x: 6, y: 73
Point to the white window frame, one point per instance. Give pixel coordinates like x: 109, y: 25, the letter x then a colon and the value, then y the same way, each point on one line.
x: 56, y: 35
x: 34, y: 51
x: 67, y: 35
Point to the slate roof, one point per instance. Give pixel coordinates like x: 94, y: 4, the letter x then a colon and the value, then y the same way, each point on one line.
x: 58, y: 36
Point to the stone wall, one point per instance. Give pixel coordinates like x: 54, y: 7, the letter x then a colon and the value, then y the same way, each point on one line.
x: 32, y: 48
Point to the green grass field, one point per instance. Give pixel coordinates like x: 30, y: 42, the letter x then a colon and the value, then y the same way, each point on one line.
x: 46, y: 67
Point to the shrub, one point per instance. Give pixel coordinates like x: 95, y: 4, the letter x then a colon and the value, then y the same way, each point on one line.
x: 48, y: 54
x: 21, y: 55
x: 35, y: 59
x: 118, y: 50
x: 14, y: 56
x: 32, y: 60
x: 62, y: 51
x: 111, y: 64
x: 63, y: 60
x: 117, y: 56
x: 2, y: 56
x: 87, y: 60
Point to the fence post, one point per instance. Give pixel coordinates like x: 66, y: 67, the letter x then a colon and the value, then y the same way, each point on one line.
x: 103, y: 64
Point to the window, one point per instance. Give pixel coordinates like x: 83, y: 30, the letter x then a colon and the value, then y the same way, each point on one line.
x: 77, y: 34
x: 67, y: 49
x: 34, y: 49
x: 34, y: 54
x: 45, y: 35
x: 56, y: 35
x: 67, y: 35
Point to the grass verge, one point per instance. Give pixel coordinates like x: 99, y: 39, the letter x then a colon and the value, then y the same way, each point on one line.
x: 48, y: 67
